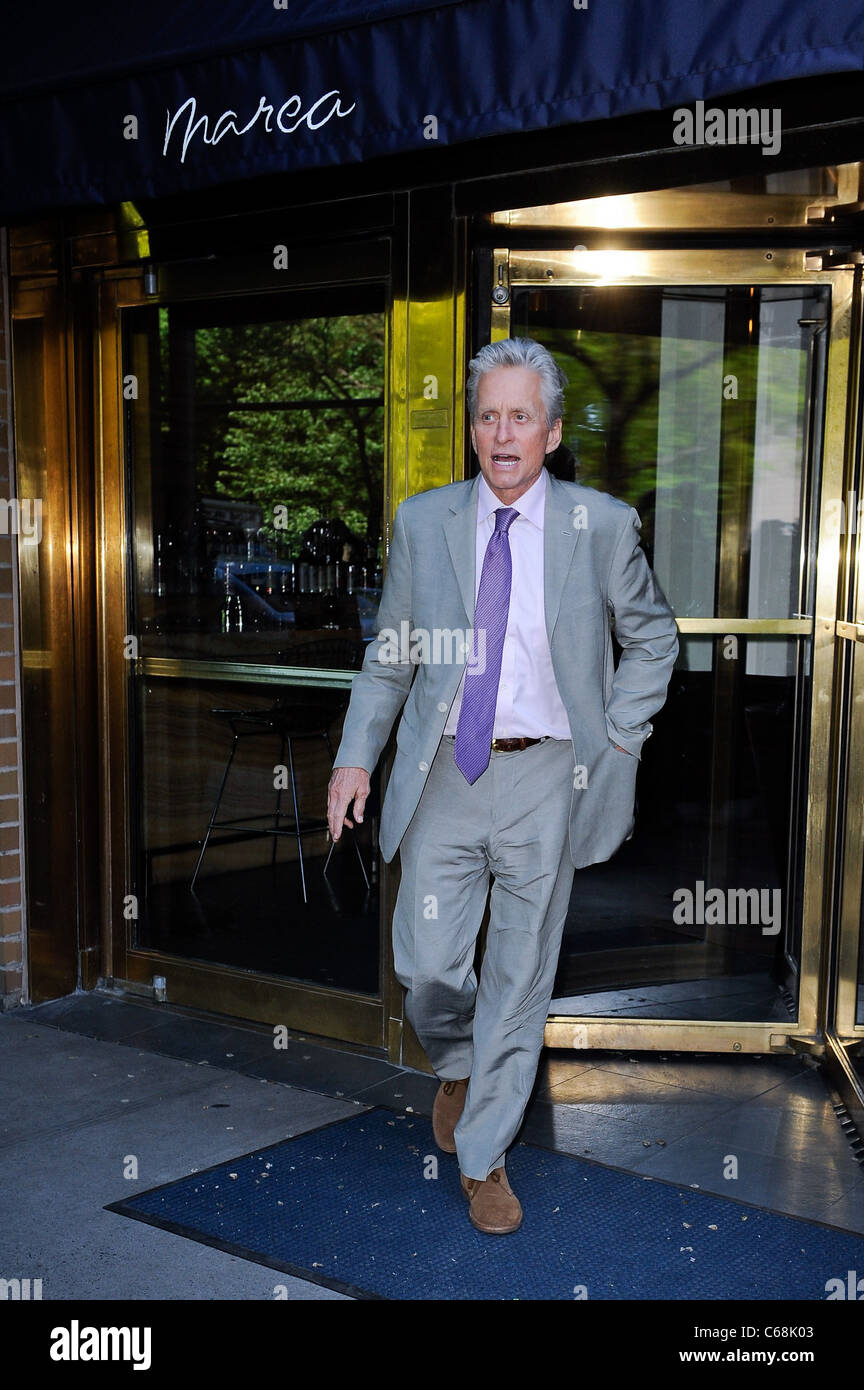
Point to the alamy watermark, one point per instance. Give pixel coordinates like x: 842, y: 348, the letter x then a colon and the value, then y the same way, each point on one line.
x: 20, y: 1290
x: 728, y: 126
x: 851, y: 1288
x: 713, y: 907
x: 437, y: 646
x: 21, y: 517
x: 77, y: 1343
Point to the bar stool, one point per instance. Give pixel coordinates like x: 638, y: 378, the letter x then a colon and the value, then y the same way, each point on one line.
x: 291, y: 720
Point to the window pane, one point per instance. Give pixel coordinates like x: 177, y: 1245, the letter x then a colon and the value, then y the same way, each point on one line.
x: 256, y: 437
x: 258, y: 448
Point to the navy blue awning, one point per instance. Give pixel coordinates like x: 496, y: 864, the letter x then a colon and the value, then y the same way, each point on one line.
x: 171, y: 97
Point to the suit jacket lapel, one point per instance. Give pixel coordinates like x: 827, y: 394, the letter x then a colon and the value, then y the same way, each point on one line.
x: 461, y: 532
x: 560, y: 537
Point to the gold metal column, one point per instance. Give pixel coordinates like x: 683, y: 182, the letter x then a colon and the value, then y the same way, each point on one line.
x: 843, y: 990
x: 428, y: 426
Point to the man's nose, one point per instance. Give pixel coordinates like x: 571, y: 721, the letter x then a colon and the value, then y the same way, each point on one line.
x: 503, y: 432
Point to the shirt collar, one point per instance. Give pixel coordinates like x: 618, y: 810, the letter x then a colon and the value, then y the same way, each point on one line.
x: 531, y: 504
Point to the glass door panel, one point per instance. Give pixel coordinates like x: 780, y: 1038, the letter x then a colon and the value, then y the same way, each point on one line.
x: 702, y: 404
x: 255, y: 434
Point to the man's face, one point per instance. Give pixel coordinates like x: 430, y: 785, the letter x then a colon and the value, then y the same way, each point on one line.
x: 510, y: 434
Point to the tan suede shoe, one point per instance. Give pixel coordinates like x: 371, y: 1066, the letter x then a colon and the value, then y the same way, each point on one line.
x: 495, y: 1209
x: 447, y: 1111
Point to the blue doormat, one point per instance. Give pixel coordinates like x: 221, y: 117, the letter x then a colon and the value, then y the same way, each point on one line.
x: 355, y: 1206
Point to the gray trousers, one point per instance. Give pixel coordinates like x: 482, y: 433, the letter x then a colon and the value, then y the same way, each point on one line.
x: 513, y: 823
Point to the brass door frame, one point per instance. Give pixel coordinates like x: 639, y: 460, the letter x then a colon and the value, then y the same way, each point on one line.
x: 845, y: 1032
x: 848, y: 1031
x: 346, y: 1015
x: 53, y: 579
x: 777, y: 266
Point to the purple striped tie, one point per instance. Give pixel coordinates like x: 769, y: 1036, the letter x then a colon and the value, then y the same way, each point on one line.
x: 480, y: 692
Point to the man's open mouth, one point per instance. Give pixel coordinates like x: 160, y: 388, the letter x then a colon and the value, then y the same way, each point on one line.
x: 505, y: 460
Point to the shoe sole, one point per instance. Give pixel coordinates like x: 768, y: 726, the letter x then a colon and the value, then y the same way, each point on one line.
x: 494, y: 1230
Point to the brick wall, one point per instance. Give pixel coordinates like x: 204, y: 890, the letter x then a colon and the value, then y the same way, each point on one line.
x: 13, y: 954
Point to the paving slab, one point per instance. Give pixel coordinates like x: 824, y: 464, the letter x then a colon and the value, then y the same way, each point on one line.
x: 54, y: 1227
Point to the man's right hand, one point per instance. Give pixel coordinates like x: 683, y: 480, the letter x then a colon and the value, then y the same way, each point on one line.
x: 347, y: 784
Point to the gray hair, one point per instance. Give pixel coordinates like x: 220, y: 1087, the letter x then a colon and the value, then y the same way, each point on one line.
x: 519, y: 352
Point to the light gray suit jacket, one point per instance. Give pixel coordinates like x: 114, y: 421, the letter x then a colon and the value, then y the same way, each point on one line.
x: 594, y: 569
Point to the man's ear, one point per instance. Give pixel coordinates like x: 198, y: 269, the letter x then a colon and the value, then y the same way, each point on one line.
x: 553, y: 439
x: 473, y: 438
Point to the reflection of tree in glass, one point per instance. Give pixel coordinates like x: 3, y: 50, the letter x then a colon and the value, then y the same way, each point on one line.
x: 291, y: 414
x: 705, y: 429
x: 612, y: 412
x: 612, y: 402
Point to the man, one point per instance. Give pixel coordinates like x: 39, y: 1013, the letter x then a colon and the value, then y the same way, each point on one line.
x: 521, y: 763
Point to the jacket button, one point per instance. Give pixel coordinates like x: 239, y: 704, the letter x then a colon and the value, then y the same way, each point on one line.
x: 424, y: 767
x: 442, y: 706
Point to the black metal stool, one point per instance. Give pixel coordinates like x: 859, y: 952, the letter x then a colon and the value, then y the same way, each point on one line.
x: 291, y: 720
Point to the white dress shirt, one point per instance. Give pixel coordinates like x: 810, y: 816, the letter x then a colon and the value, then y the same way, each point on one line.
x: 528, y: 705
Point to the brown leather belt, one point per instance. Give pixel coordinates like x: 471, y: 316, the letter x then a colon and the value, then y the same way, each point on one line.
x: 512, y: 745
